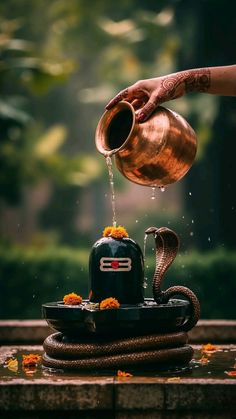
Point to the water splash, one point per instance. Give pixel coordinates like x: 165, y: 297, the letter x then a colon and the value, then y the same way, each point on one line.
x: 111, y: 180
x: 145, y: 284
x: 153, y: 193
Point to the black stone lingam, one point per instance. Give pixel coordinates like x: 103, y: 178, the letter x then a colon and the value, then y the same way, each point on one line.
x: 141, y: 332
x: 116, y: 269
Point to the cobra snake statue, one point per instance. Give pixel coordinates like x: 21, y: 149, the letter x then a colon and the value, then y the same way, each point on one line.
x: 157, y: 349
x: 167, y: 246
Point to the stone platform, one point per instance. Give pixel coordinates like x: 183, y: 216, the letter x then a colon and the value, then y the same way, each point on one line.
x: 202, y: 391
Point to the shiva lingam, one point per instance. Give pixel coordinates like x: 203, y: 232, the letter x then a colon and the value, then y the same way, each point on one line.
x: 138, y: 331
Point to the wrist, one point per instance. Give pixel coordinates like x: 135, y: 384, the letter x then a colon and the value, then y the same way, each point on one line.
x: 197, y: 80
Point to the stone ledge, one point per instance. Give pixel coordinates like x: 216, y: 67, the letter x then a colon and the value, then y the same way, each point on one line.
x: 42, y: 395
x: 147, y: 394
x: 35, y: 331
x: 189, y: 394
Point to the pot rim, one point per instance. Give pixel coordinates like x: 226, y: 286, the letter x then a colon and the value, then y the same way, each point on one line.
x: 104, y: 123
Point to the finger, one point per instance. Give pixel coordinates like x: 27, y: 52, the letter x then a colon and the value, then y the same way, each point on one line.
x: 120, y: 96
x: 146, y: 111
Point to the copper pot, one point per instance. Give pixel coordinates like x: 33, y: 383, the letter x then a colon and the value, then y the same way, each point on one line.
x: 157, y: 152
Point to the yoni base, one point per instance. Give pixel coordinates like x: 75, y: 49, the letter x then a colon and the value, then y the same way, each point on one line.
x: 159, y: 350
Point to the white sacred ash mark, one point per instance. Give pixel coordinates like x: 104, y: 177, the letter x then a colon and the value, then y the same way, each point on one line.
x: 115, y: 264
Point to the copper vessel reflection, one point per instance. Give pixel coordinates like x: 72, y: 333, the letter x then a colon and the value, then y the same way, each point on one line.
x: 157, y: 152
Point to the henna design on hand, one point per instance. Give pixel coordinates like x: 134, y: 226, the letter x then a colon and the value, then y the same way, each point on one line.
x: 198, y: 80
x: 172, y: 87
x: 146, y: 111
x: 175, y: 85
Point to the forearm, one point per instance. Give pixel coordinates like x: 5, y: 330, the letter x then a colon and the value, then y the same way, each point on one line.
x: 214, y: 80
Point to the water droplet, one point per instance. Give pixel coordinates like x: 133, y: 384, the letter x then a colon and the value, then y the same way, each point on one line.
x: 162, y: 188
x: 136, y: 221
x: 183, y: 216
x: 192, y: 221
x: 145, y: 284
x: 191, y: 233
x: 190, y: 193
x: 33, y: 296
x: 209, y: 239
x: 153, y: 193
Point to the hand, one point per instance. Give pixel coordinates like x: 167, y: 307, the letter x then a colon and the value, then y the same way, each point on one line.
x: 146, y: 95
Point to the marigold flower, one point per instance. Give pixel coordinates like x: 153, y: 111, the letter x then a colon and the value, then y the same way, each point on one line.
x: 12, y: 364
x: 31, y: 360
x: 109, y: 303
x: 72, y: 299
x: 115, y: 232
x: 231, y: 373
x: 209, y: 348
x: 123, y: 374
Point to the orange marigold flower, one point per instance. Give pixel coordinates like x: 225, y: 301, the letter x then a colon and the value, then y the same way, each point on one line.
x: 231, y: 373
x: 115, y: 232
x: 209, y: 348
x: 107, y: 231
x: 123, y: 374
x: 31, y: 360
x: 72, y: 299
x: 109, y: 303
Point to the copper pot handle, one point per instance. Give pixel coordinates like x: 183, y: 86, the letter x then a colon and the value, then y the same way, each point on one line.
x: 167, y: 245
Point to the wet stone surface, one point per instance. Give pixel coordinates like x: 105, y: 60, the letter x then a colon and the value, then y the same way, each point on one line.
x: 216, y: 364
x: 203, y: 386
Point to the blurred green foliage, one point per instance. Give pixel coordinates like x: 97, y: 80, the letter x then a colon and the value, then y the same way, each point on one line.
x: 29, y: 278
x: 60, y: 62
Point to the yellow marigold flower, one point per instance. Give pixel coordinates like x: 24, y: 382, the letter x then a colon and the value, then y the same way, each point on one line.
x: 72, y: 299
x: 115, y: 232
x: 12, y: 364
x: 31, y: 360
x: 109, y: 303
x: 123, y: 374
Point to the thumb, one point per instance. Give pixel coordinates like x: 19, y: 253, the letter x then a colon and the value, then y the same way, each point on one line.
x: 146, y: 111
